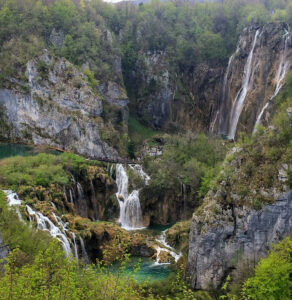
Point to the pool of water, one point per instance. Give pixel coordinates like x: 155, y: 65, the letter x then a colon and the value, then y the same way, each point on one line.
x: 10, y: 150
x: 148, y: 270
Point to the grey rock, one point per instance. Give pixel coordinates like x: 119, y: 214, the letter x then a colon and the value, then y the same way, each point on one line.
x: 57, y: 38
x: 242, y: 236
x: 60, y: 110
x: 3, y: 248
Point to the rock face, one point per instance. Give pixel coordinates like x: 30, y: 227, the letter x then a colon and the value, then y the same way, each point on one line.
x: 202, y: 98
x: 167, y: 206
x: 3, y: 249
x: 270, y: 62
x: 228, y: 237
x: 94, y: 197
x: 166, y: 100
x: 151, y: 89
x: 59, y: 110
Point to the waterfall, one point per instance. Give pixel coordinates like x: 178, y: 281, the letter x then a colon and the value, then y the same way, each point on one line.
x: 283, y: 68
x: 13, y: 200
x: 71, y: 196
x: 225, y: 94
x: 111, y: 171
x: 45, y: 224
x: 83, y: 249
x: 138, y: 169
x: 81, y: 203
x: 130, y: 208
x: 75, y: 246
x: 167, y: 248
x: 241, y: 95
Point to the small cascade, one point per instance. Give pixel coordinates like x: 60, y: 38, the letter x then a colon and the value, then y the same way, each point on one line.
x: 71, y: 196
x: 241, y: 95
x: 283, y: 68
x: 93, y: 201
x: 167, y: 248
x: 13, y: 200
x: 83, y: 249
x: 45, y: 224
x: 130, y: 208
x: 81, y: 203
x: 75, y: 246
x: 138, y: 169
x: 111, y: 171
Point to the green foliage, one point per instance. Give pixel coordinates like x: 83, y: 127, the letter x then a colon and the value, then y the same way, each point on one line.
x: 140, y: 133
x: 93, y: 83
x: 190, y: 159
x: 272, y: 278
x: 131, y: 149
x: 43, y: 169
x: 52, y: 276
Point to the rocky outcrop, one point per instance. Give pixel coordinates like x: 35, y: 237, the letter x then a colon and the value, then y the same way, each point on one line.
x: 166, y: 100
x: 167, y: 205
x: 93, y: 196
x: 59, y: 109
x: 270, y: 62
x: 223, y: 239
x: 151, y: 89
x: 3, y: 249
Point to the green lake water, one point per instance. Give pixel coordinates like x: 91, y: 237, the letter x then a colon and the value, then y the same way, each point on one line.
x: 148, y: 270
x: 10, y: 150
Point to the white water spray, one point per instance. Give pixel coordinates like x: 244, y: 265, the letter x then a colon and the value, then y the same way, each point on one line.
x: 45, y: 224
x: 241, y: 95
x: 130, y: 208
x: 84, y: 252
x: 167, y: 248
x: 283, y: 69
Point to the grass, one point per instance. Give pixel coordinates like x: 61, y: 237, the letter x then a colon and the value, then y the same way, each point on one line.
x: 139, y: 133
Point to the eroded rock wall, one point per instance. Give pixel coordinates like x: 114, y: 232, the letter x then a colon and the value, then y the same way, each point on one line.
x: 226, y: 239
x: 56, y: 108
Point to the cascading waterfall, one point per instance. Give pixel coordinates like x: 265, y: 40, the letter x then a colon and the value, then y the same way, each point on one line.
x: 167, y: 248
x: 241, y: 95
x: 71, y: 196
x: 84, y: 252
x: 44, y: 223
x: 283, y: 68
x: 13, y: 200
x: 75, y: 246
x: 130, y: 208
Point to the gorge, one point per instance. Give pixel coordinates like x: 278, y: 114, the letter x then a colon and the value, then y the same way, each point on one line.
x: 145, y: 149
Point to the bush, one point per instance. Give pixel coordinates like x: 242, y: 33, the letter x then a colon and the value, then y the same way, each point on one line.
x: 272, y: 278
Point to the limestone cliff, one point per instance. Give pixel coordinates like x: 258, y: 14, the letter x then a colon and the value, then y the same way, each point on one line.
x: 227, y: 240
x: 56, y: 107
x: 254, y: 76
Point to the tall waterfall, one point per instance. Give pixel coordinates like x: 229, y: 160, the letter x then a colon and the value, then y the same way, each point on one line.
x: 283, y: 68
x: 130, y: 208
x: 241, y: 95
x: 239, y: 100
x: 223, y: 121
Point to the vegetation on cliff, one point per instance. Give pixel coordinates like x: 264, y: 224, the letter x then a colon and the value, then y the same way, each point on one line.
x: 259, y: 167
